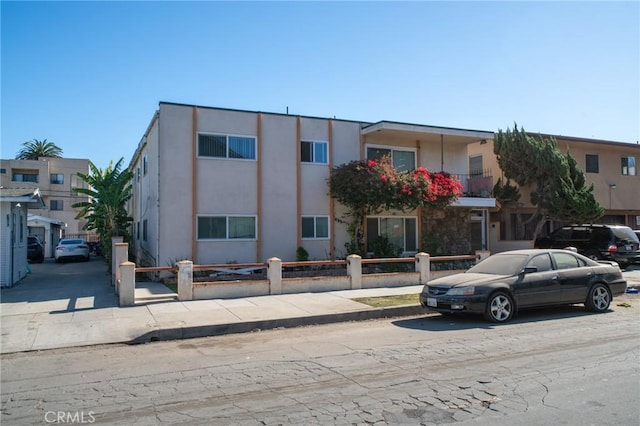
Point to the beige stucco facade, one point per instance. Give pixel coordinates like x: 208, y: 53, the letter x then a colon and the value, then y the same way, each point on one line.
x: 275, y: 186
x: 617, y: 190
x: 55, y: 178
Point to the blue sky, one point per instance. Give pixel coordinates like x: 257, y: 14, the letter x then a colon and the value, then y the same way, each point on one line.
x: 88, y: 76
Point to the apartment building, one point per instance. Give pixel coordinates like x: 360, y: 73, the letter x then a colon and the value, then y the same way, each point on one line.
x: 54, y: 178
x: 218, y: 185
x: 612, y: 167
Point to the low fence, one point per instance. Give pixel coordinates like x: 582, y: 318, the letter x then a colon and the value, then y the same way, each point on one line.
x: 278, y: 277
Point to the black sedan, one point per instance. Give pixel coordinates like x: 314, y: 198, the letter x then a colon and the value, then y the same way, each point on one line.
x: 503, y: 283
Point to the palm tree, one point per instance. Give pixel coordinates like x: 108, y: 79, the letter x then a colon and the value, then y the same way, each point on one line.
x: 32, y: 150
x: 108, y: 190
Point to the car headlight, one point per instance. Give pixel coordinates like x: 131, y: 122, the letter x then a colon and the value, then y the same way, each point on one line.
x: 461, y: 291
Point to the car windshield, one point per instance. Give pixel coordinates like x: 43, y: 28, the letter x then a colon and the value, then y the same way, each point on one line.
x: 625, y: 233
x: 500, y: 264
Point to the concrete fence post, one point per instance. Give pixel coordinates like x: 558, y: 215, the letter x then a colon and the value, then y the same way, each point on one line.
x: 482, y: 255
x: 185, y: 280
x: 114, y: 265
x: 120, y: 254
x: 354, y: 271
x: 127, y: 284
x: 274, y: 275
x: 423, y: 266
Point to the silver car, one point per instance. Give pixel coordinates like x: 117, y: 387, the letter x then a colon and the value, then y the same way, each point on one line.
x: 72, y: 248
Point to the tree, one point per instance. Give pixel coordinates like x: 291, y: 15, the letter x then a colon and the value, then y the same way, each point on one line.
x: 32, y: 150
x: 369, y: 187
x: 108, y: 190
x: 557, y: 184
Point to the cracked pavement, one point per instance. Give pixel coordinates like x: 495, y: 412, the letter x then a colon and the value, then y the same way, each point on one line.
x: 559, y: 366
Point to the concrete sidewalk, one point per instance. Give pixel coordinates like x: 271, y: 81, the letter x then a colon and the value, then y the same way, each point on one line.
x: 73, y: 304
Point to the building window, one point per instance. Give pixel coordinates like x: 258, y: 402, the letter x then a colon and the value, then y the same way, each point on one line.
x: 227, y: 146
x: 145, y: 226
x: 25, y: 177
x: 3, y: 171
x: 313, y: 152
x: 475, y: 165
x: 315, y: 227
x: 57, y: 178
x: 628, y: 166
x: 137, y: 174
x: 137, y: 230
x: 227, y: 228
x: 401, y: 231
x: 144, y: 165
x: 592, y: 163
x: 57, y: 205
x: 402, y: 160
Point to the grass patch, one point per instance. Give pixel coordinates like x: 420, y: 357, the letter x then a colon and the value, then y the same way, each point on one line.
x: 386, y: 301
x: 172, y: 286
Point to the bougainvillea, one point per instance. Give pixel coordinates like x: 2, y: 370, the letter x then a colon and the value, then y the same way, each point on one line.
x: 369, y: 187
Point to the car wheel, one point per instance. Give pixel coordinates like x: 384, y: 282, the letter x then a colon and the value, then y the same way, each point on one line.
x: 499, y: 308
x: 593, y: 256
x: 599, y: 298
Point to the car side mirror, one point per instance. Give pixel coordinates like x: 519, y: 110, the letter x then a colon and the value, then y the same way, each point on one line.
x: 530, y: 269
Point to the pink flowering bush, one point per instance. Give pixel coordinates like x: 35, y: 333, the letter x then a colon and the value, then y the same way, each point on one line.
x: 369, y: 187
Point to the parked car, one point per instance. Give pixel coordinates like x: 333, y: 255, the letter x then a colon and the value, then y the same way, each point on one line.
x: 35, y: 249
x: 506, y: 282
x: 72, y: 248
x: 598, y: 242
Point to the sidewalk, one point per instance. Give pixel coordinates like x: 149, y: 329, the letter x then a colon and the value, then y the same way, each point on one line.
x: 82, y: 309
x: 73, y: 304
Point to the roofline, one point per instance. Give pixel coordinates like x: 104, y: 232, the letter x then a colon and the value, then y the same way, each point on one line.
x: 263, y: 112
x: 143, y: 140
x: 585, y: 140
x: 422, y: 128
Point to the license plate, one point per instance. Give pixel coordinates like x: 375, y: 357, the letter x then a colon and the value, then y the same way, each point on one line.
x: 629, y: 248
x: 432, y: 302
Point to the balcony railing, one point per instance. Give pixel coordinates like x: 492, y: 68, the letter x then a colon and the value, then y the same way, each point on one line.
x: 479, y: 185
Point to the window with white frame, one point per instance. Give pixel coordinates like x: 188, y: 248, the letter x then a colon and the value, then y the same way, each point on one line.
x: 144, y: 164
x: 313, y: 152
x: 315, y: 227
x: 57, y: 178
x: 227, y: 227
x: 402, y: 159
x: 628, y: 166
x: 227, y: 146
x: 57, y: 204
x: 401, y: 231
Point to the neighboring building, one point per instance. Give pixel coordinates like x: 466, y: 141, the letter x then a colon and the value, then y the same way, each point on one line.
x: 54, y: 177
x: 14, y: 205
x: 48, y: 230
x: 217, y: 185
x: 612, y: 167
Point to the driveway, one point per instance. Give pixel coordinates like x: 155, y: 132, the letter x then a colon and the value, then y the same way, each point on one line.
x: 61, y: 287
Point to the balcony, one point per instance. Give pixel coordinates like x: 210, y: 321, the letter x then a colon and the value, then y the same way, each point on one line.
x: 477, y: 190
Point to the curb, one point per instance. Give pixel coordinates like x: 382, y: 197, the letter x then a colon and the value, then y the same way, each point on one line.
x: 180, y: 333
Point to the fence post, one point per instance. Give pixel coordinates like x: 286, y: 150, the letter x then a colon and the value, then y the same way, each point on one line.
x: 114, y: 265
x: 120, y: 254
x: 274, y: 275
x: 423, y: 266
x: 185, y: 280
x: 482, y: 255
x: 354, y: 271
x: 127, y: 284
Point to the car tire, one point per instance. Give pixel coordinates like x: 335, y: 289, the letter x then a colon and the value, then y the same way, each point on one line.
x: 500, y: 307
x: 593, y: 256
x: 599, y: 298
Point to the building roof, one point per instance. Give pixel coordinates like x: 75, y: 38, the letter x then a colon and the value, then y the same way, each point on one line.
x: 29, y: 196
x: 46, y: 219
